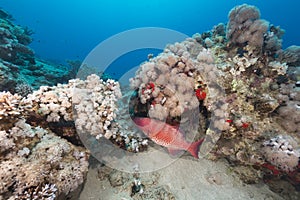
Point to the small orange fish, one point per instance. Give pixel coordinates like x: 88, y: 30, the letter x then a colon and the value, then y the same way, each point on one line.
x: 167, y: 136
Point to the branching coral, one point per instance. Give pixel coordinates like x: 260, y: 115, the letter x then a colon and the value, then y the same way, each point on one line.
x: 94, y: 104
x: 42, y: 192
x: 234, y: 88
x: 12, y: 106
x: 53, y: 102
x: 23, y: 89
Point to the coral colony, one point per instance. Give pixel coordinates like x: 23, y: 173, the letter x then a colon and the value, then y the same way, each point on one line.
x: 237, y: 78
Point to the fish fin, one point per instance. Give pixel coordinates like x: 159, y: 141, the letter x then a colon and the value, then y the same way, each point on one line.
x: 174, y: 151
x: 194, y: 148
x: 175, y: 126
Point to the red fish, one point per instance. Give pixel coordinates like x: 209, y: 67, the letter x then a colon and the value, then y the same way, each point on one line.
x: 167, y: 136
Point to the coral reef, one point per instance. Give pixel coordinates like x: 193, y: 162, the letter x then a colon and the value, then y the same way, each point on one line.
x: 291, y: 55
x: 31, y: 130
x: 235, y: 86
x: 173, y: 85
x: 281, y: 152
x: 242, y: 84
x: 12, y: 106
x: 246, y: 27
x: 18, y: 64
x: 32, y: 127
x: 37, y: 164
x: 57, y: 109
x: 90, y: 106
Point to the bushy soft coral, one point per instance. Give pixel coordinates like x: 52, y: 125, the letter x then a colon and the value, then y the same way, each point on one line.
x: 246, y: 27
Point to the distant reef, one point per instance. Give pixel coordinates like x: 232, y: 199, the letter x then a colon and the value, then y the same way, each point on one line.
x: 20, y: 70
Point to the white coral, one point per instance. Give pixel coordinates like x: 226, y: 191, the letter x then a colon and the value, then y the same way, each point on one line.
x: 159, y: 112
x: 6, y: 142
x: 11, y: 106
x: 281, y: 68
x: 95, y: 107
x: 280, y: 152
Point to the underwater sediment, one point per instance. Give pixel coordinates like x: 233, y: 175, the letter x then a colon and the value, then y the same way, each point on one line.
x: 234, y: 86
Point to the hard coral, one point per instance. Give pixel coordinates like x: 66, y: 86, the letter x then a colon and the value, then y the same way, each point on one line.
x: 12, y: 106
x: 50, y: 166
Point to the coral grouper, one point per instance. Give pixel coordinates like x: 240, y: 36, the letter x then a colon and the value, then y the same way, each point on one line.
x: 167, y: 136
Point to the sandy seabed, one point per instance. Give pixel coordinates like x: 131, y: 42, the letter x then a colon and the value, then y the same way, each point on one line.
x: 185, y: 179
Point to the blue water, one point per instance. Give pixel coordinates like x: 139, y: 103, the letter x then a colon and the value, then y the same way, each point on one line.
x: 70, y: 29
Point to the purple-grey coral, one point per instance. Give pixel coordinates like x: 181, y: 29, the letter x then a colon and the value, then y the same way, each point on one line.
x: 288, y: 114
x: 291, y: 55
x: 246, y: 27
x: 273, y: 40
x: 23, y: 89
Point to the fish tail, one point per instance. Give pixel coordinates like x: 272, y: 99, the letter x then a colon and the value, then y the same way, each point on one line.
x: 194, y: 148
